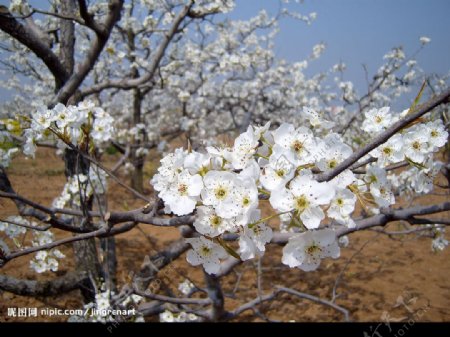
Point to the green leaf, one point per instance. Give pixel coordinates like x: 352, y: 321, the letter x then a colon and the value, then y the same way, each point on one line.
x: 417, y: 99
x: 418, y: 165
x: 229, y: 250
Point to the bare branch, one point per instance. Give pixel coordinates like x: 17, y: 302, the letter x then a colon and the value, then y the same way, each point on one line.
x: 28, y: 38
x: 315, y: 299
x: 72, y: 84
x: 175, y: 300
x: 57, y: 286
x: 133, y: 83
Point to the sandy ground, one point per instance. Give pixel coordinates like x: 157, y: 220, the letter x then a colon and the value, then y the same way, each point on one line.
x: 379, y: 277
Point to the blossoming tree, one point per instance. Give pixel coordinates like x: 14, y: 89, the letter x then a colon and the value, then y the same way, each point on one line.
x: 306, y: 151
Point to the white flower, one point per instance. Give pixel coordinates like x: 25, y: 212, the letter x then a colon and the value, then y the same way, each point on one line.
x: 343, y: 241
x: 416, y: 145
x: 342, y: 205
x: 196, y: 162
x: 182, y: 194
x: 244, y: 148
x: 379, y: 186
x: 246, y: 196
x: 62, y: 116
x: 13, y: 230
x: 42, y: 118
x: 439, y: 243
x: 333, y: 152
x: 171, y: 165
x: 305, y: 250
x: 220, y: 192
x: 343, y: 179
x: 186, y: 287
x: 102, y: 129
x: 207, y: 222
x: 304, y: 196
x: 424, y: 40
x: 422, y: 179
x: 278, y: 172
x: 206, y: 253
x: 377, y: 120
x: 297, y: 143
x: 437, y: 134
x: 254, y: 238
x: 183, y: 96
x: 315, y: 119
x: 390, y: 151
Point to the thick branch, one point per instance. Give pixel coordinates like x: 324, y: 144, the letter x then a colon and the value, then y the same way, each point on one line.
x: 133, y: 83
x: 63, y: 284
x: 28, y: 38
x: 96, y: 48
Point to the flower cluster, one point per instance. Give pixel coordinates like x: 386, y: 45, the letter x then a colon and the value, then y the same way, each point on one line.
x: 44, y: 260
x: 11, y: 229
x: 223, y: 186
x: 72, y: 124
x: 82, y: 186
x: 105, y: 308
x: 170, y: 317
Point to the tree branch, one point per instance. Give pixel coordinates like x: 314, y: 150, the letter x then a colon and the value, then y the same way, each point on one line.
x: 28, y: 38
x: 132, y: 83
x: 63, y: 284
x: 385, y: 135
x: 101, y: 37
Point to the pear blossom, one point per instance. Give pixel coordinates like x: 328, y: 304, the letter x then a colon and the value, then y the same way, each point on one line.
x: 278, y: 172
x: 305, y: 250
x: 171, y: 165
x: 315, y: 119
x: 304, y: 196
x: 207, y: 222
x: 416, y: 144
x: 220, y: 192
x: 254, y: 237
x: 422, y: 179
x: 298, y: 144
x: 377, y: 120
x: 334, y: 151
x: 424, y: 40
x: 342, y: 205
x: 439, y: 243
x: 186, y: 287
x: 12, y: 230
x: 390, y: 151
x: 206, y: 253
x: 437, y: 134
x: 244, y: 148
x: 181, y: 196
x: 379, y: 186
x: 196, y: 162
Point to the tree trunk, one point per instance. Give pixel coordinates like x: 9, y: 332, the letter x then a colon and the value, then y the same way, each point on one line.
x: 137, y: 176
x: 86, y: 257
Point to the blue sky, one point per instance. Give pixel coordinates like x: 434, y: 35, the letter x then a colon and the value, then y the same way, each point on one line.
x: 359, y: 31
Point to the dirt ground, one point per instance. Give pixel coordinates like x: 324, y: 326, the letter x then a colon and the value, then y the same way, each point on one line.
x: 379, y: 277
